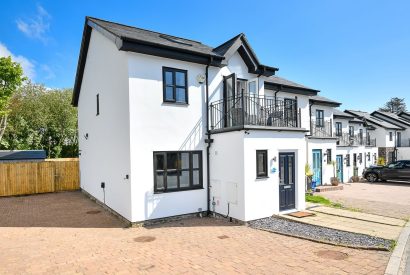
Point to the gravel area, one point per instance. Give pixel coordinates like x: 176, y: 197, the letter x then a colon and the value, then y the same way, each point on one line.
x: 322, y: 234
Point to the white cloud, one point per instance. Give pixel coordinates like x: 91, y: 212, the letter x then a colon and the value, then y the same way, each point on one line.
x: 37, y: 26
x: 26, y: 64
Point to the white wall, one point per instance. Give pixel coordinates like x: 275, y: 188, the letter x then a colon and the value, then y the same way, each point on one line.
x: 403, y: 153
x: 348, y: 170
x: 227, y: 174
x: 233, y: 172
x: 262, y: 195
x: 158, y: 126
x: 105, y: 155
x: 322, y: 144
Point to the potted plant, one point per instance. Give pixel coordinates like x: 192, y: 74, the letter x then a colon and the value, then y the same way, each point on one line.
x: 334, y: 180
x: 309, y: 176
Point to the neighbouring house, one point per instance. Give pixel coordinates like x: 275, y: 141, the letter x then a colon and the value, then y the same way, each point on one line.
x: 356, y: 145
x: 22, y: 155
x: 321, y: 140
x: 170, y: 126
x: 383, y: 131
x: 402, y: 137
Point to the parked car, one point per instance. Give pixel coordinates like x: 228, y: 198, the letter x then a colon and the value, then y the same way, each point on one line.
x: 399, y: 170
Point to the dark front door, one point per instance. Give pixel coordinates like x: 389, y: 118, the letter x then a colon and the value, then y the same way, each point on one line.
x: 286, y: 181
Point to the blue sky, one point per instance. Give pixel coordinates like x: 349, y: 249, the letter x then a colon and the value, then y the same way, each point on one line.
x: 356, y: 52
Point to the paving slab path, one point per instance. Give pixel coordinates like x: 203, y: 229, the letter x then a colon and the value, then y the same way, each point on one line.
x: 356, y: 222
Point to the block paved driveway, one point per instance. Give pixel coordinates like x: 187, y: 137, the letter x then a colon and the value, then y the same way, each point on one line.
x: 390, y: 199
x: 53, y: 234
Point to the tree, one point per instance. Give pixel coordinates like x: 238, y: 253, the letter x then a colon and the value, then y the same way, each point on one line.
x: 11, y: 78
x: 42, y: 119
x: 394, y: 105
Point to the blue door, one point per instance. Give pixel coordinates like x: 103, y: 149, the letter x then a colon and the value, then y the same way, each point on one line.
x: 317, y: 166
x: 339, y: 167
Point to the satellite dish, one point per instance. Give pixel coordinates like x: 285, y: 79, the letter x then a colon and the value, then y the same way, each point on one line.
x: 200, y: 78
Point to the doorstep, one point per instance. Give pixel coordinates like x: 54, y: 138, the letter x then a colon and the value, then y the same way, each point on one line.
x: 325, y: 188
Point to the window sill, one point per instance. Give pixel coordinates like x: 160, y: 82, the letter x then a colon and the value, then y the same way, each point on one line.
x: 173, y: 103
x: 178, y: 190
x: 261, y: 178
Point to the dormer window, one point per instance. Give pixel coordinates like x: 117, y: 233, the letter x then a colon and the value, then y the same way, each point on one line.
x: 175, y: 84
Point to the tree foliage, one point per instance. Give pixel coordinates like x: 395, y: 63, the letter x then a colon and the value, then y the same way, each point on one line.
x: 11, y: 78
x: 394, y: 105
x: 42, y: 119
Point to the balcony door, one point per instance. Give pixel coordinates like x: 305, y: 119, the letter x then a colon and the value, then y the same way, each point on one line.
x: 230, y: 99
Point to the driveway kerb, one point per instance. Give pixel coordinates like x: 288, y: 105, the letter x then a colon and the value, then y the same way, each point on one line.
x: 393, y: 267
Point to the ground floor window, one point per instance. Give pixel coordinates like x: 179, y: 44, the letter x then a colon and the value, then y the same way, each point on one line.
x: 177, y: 171
x: 348, y: 160
x: 261, y: 163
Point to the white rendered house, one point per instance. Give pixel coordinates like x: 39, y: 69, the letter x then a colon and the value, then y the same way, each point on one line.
x: 383, y: 131
x: 356, y: 144
x: 169, y: 126
x: 321, y: 140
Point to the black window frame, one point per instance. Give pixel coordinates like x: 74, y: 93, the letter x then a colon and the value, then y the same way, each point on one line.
x: 98, y: 104
x: 174, y: 86
x: 329, y: 156
x: 191, y: 169
x: 320, y: 118
x: 351, y: 131
x: 264, y: 174
x: 339, y: 129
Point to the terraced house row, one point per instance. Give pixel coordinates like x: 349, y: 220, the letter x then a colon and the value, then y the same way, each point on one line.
x: 170, y: 126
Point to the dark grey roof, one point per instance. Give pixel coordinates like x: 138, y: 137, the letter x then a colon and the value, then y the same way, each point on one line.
x: 405, y: 115
x: 282, y: 82
x: 22, y: 155
x: 128, y: 38
x: 393, y: 116
x: 341, y: 114
x: 373, y: 120
x: 324, y: 100
x: 154, y: 38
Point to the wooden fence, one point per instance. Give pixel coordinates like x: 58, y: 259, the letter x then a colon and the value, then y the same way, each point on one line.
x: 31, y: 177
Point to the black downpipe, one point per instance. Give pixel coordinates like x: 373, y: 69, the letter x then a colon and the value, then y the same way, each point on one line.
x: 208, y: 133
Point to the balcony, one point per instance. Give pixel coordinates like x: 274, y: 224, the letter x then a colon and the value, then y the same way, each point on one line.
x: 403, y: 143
x: 249, y: 111
x: 370, y: 142
x: 322, y: 129
x: 355, y: 140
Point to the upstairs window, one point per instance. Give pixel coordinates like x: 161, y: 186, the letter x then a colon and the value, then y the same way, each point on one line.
x: 320, y: 119
x: 391, y: 136
x: 175, y: 82
x: 351, y: 131
x: 338, y: 129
